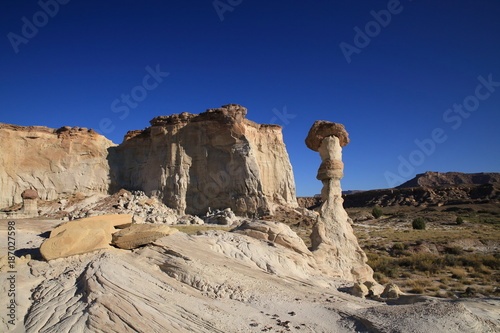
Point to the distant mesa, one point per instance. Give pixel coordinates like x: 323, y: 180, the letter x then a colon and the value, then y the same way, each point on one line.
x: 433, y: 189
x: 434, y: 179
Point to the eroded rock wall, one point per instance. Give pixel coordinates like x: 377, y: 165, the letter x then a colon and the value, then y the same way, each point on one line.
x: 191, y: 162
x: 53, y: 162
x: 216, y: 159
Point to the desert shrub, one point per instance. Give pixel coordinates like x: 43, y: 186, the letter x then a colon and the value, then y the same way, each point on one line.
x: 458, y: 273
x: 454, y: 250
x: 477, y: 260
x: 482, y: 269
x: 417, y: 290
x: 418, y: 224
x: 377, y: 212
x: 398, y: 247
x: 459, y: 220
x: 423, y: 262
x: 445, y: 280
x: 380, y: 278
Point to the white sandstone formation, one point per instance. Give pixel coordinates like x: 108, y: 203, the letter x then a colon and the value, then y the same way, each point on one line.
x: 213, y: 282
x: 334, y: 244
x: 217, y: 159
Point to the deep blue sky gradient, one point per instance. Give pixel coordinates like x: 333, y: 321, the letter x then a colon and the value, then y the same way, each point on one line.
x: 270, y: 57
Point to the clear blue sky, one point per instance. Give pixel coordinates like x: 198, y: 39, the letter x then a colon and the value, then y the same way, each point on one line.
x: 281, y: 60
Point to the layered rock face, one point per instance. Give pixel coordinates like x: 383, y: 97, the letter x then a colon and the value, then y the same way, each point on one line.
x: 53, y: 162
x: 216, y: 159
x: 333, y: 242
x: 191, y: 162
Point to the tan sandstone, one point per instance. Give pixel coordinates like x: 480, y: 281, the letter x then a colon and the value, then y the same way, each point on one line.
x: 216, y: 159
x: 53, y: 162
x: 82, y: 236
x: 140, y: 234
x: 276, y: 232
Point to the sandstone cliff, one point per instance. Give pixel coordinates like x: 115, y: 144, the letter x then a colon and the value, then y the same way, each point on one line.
x: 53, y: 162
x: 216, y: 159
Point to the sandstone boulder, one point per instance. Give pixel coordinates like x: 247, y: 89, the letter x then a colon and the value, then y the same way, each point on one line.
x: 140, y: 234
x: 75, y: 241
x: 275, y: 232
x: 359, y: 290
x: 391, y: 290
x: 82, y: 236
x: 105, y: 222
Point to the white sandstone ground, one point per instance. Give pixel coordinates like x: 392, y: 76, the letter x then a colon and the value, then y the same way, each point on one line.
x: 212, y: 282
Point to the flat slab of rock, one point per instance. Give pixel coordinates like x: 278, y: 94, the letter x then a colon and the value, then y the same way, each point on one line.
x: 140, y: 234
x: 276, y: 232
x: 82, y: 236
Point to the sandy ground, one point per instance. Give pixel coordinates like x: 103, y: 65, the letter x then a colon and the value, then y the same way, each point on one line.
x: 214, y: 282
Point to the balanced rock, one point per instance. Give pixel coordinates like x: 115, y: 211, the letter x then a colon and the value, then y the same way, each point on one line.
x: 82, y: 236
x: 140, y: 234
x: 275, y: 232
x: 334, y: 244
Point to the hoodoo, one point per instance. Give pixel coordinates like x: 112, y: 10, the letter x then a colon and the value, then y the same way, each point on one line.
x: 333, y: 242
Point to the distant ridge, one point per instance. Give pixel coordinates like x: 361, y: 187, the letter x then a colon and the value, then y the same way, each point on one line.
x: 435, y: 179
x: 426, y: 189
